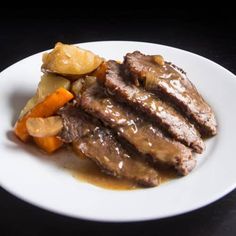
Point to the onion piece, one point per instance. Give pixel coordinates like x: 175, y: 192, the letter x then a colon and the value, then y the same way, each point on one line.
x: 44, y: 127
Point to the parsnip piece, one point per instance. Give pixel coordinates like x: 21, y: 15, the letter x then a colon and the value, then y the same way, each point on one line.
x: 44, y: 127
x: 80, y: 84
x: 46, y: 108
x: 77, y: 86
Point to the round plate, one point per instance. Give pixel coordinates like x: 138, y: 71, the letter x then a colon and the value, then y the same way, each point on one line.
x: 42, y: 180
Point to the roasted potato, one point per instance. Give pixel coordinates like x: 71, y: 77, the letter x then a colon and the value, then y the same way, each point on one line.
x: 69, y: 60
x: 48, y: 84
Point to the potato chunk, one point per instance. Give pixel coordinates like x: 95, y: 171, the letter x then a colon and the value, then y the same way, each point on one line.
x: 47, y: 85
x: 70, y: 60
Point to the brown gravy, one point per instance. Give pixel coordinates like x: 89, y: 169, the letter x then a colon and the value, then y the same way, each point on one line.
x: 88, y: 172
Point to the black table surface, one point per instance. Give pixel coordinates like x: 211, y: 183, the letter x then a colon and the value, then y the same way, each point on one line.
x: 23, y: 33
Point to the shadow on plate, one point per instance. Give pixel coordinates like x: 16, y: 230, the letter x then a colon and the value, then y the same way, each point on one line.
x: 17, y: 100
x: 63, y: 158
x: 66, y: 160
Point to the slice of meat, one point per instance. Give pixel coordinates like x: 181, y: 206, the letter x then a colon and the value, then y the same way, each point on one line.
x: 144, y: 136
x: 161, y: 112
x: 173, y: 85
x: 76, y: 123
x: 100, y: 145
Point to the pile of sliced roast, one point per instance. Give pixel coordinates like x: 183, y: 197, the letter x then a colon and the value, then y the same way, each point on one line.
x: 137, y: 117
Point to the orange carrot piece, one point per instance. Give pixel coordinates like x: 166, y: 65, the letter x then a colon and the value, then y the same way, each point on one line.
x: 101, y: 72
x: 48, y: 144
x: 44, y: 109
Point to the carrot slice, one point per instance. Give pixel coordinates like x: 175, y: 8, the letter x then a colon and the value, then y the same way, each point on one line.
x: 44, y: 109
x: 101, y: 72
x: 48, y: 144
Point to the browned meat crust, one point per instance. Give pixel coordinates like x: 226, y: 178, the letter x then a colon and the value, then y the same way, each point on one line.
x: 144, y: 136
x: 173, y: 85
x: 99, y: 144
x: 161, y: 112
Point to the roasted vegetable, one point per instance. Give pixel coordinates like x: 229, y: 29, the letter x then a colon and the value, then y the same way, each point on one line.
x: 48, y: 84
x: 48, y: 144
x: 45, y: 108
x: 77, y: 86
x: 80, y: 84
x: 44, y: 127
x: 70, y: 60
x: 100, y: 73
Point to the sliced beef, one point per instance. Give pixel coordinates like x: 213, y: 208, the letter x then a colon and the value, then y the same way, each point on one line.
x: 172, y: 84
x: 161, y: 112
x: 99, y: 144
x: 144, y: 136
x: 76, y: 123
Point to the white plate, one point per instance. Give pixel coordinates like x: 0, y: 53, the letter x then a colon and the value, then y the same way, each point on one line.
x: 35, y: 178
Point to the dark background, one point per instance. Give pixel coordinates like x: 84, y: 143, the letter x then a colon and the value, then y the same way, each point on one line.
x: 208, y: 32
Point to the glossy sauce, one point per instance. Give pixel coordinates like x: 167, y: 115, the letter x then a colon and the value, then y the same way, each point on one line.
x: 161, y: 112
x: 88, y: 172
x: 85, y: 170
x: 174, y: 82
x: 145, y: 137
